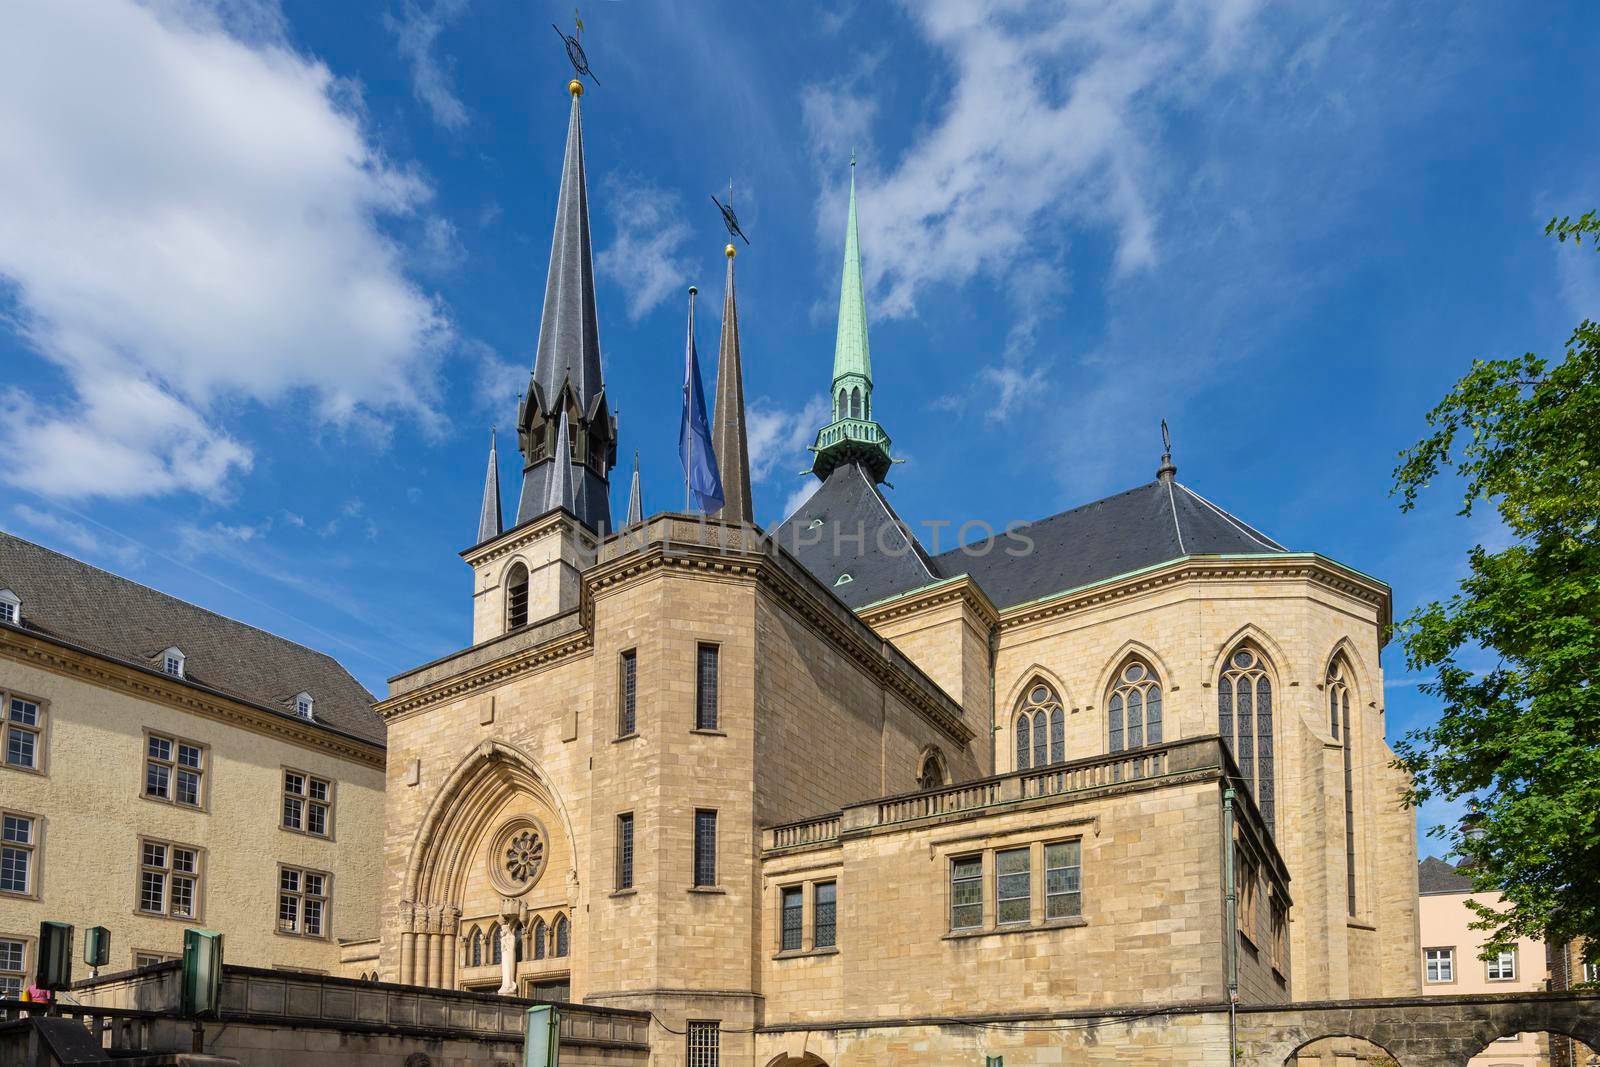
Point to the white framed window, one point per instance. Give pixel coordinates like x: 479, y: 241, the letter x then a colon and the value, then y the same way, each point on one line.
x: 172, y: 661
x: 307, y: 803
x: 1591, y: 972
x: 169, y: 879
x: 303, y: 902
x: 10, y: 607
x: 705, y: 1044
x: 19, y: 838
x: 174, y: 770
x: 304, y: 706
x: 1503, y: 968
x: 24, y: 733
x: 13, y: 966
x: 1439, y: 964
x: 146, y: 958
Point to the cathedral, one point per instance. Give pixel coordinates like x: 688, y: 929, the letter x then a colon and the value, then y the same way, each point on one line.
x: 817, y: 795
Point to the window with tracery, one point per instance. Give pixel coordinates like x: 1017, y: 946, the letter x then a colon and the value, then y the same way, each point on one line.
x: 1134, y: 710
x: 538, y: 938
x: 476, y: 957
x: 492, y: 942
x: 1339, y: 725
x: 932, y: 773
x: 1041, y: 725
x: 1244, y: 719
x: 561, y: 934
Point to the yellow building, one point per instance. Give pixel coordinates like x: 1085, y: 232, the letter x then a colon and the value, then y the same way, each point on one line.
x: 823, y: 796
x: 167, y: 767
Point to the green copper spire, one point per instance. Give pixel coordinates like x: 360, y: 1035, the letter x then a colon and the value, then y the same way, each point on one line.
x: 853, y: 436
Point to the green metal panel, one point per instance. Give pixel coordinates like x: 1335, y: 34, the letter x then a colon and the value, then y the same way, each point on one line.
x: 541, y: 1046
x: 97, y: 946
x: 201, y: 992
x: 54, y: 966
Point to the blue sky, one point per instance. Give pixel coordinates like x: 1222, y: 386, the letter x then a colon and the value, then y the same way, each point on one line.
x: 269, y: 273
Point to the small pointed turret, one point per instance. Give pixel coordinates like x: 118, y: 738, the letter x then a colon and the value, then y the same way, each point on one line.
x: 853, y: 436
x: 566, y: 372
x: 558, y: 488
x: 635, y: 498
x: 490, y: 522
x: 728, y: 438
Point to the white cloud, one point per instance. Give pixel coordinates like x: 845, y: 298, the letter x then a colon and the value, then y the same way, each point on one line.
x: 778, y: 436
x: 794, y: 500
x: 440, y: 249
x: 417, y: 31
x: 76, y: 535
x: 498, y: 384
x: 192, y: 219
x: 644, y: 256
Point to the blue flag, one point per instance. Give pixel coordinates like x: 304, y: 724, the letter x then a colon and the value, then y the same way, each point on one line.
x: 694, y: 433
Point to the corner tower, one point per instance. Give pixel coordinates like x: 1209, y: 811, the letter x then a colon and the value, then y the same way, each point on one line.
x: 566, y: 371
x: 853, y: 436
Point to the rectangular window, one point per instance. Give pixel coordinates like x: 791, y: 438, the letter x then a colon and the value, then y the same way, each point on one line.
x: 625, y: 850
x: 142, y: 958
x: 1063, y: 887
x: 174, y: 770
x: 1503, y: 968
x: 794, y: 905
x: 169, y: 879
x: 1013, y: 896
x: 24, y: 727
x: 824, y: 920
x: 1440, y: 964
x: 705, y: 847
x: 17, y: 842
x: 303, y: 902
x: 705, y: 689
x: 966, y: 893
x: 705, y: 1044
x: 307, y: 803
x: 628, y: 693
x: 13, y: 958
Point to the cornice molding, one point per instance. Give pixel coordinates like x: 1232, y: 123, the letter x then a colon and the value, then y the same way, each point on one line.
x: 108, y: 673
x: 519, y: 536
x: 529, y: 660
x: 961, y: 588
x: 1312, y: 568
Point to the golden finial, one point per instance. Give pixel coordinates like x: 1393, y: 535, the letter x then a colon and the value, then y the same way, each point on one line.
x: 575, y: 87
x: 730, y: 251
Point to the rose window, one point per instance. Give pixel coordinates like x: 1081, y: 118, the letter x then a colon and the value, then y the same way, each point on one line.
x: 524, y: 856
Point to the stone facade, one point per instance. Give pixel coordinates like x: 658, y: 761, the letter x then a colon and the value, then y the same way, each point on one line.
x: 91, y: 811
x: 825, y: 719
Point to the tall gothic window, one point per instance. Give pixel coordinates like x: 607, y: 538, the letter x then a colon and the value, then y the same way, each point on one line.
x: 931, y: 775
x: 1244, y: 719
x: 562, y: 935
x: 538, y: 939
x: 477, y: 947
x: 1339, y: 724
x: 516, y: 596
x: 855, y: 403
x: 1134, y: 710
x: 844, y: 405
x: 1041, y: 728
x: 493, y: 942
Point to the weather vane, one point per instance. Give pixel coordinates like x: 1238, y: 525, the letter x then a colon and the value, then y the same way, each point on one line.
x: 1166, y: 438
x: 575, y: 55
x: 729, y: 219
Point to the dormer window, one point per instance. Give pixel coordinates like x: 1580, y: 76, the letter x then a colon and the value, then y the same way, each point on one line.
x: 303, y: 705
x: 843, y: 579
x: 10, y: 607
x: 172, y: 662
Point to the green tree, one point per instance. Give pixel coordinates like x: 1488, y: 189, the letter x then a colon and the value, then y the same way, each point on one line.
x: 1520, y: 739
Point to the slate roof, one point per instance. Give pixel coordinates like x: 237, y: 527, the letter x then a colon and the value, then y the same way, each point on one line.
x: 1151, y: 524
x: 111, y: 616
x: 1145, y: 526
x: 838, y: 531
x: 1435, y: 876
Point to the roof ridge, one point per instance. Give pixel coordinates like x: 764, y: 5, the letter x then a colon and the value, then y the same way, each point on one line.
x: 1059, y: 514
x: 179, y: 600
x: 1172, y: 503
x: 899, y: 523
x: 1255, y: 535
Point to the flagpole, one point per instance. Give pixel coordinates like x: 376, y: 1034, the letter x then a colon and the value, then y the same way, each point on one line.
x: 688, y: 400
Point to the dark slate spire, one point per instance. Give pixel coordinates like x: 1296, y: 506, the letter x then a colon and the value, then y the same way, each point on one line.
x: 635, y: 498
x: 558, y: 487
x: 727, y: 425
x: 490, y: 524
x: 566, y: 371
